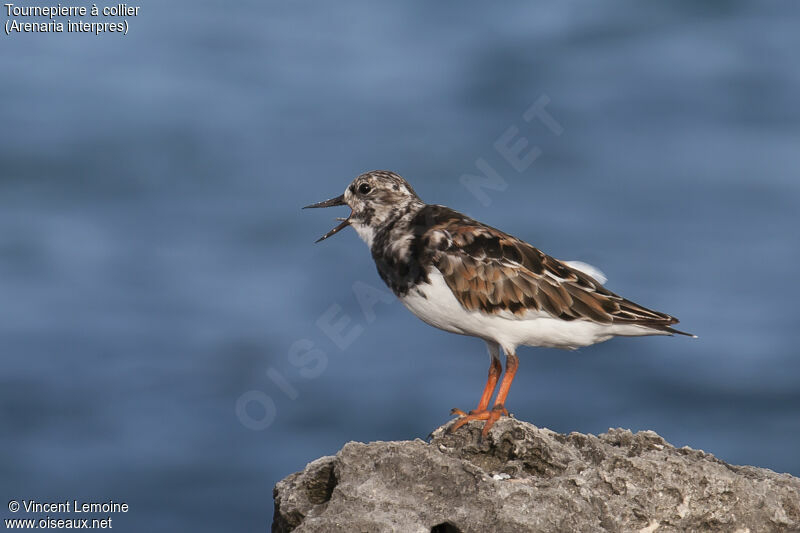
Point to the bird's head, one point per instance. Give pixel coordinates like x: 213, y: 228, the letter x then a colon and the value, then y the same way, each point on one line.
x: 375, y: 198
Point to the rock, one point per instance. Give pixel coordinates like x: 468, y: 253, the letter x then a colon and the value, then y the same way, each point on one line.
x: 523, y: 478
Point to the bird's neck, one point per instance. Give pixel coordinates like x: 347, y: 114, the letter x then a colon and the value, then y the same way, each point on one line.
x: 396, y: 250
x: 365, y: 231
x: 379, y: 226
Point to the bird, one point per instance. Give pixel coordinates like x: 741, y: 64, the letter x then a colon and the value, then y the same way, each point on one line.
x: 468, y: 278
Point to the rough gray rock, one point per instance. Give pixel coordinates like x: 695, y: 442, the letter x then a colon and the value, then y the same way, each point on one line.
x: 523, y: 478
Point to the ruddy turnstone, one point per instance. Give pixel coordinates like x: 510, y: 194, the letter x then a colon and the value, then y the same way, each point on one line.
x: 462, y: 276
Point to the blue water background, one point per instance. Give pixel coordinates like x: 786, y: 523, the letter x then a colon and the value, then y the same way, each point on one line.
x: 155, y: 265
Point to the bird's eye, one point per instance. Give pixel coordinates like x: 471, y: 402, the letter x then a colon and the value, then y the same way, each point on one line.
x: 364, y: 188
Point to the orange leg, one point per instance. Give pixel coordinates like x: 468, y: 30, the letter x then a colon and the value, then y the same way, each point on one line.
x: 481, y: 413
x: 512, y: 363
x: 495, y: 369
x: 494, y: 374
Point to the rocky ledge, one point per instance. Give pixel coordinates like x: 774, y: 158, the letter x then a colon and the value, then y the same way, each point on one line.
x: 523, y: 478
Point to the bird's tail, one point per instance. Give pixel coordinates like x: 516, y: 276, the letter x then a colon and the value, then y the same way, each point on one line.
x: 679, y: 332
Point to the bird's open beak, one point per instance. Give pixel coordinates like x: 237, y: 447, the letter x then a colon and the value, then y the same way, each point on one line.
x: 339, y: 200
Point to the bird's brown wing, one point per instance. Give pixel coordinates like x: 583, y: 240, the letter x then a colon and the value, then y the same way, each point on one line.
x: 492, y: 271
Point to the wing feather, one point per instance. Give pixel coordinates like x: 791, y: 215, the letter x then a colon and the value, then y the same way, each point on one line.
x: 492, y: 271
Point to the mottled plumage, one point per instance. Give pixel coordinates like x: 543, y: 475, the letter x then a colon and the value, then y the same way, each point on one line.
x: 463, y: 276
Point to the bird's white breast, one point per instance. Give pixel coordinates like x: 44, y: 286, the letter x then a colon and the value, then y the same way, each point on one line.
x: 436, y: 305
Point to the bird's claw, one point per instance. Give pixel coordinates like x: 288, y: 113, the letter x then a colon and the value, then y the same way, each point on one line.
x: 489, y: 415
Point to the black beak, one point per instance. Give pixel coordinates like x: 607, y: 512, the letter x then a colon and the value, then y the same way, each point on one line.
x: 339, y: 200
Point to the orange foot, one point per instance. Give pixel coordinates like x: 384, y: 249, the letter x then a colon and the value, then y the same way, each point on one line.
x: 491, y: 416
